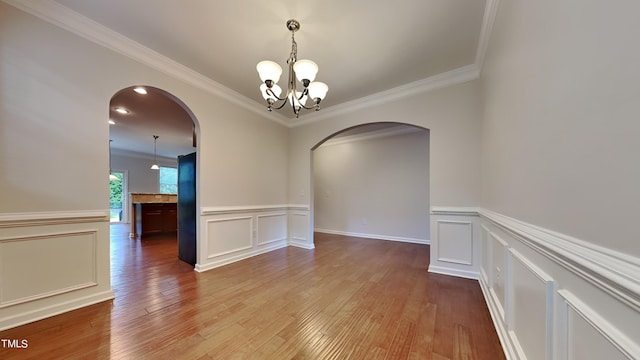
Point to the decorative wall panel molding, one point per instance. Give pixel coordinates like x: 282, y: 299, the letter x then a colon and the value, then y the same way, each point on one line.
x: 565, y: 298
x: 300, y: 230
x: 221, y: 210
x: 52, y: 270
x: 498, y: 272
x: 271, y: 228
x: 52, y: 218
x: 530, y: 307
x: 599, y: 338
x: 228, y: 235
x: 234, y: 233
x: 52, y: 262
x: 616, y: 273
x: 455, y: 241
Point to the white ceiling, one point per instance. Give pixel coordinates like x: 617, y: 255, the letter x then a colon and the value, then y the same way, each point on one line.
x: 362, y: 47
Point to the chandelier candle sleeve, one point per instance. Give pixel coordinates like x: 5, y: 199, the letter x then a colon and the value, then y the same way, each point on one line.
x: 304, y: 71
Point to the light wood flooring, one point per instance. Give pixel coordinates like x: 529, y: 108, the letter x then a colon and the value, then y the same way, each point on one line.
x: 349, y: 298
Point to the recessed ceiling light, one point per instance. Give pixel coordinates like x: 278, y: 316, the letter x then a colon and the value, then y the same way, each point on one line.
x: 140, y: 90
x: 111, y: 122
x: 121, y: 110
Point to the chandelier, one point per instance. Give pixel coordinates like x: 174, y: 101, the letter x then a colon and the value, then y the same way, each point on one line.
x: 303, y: 70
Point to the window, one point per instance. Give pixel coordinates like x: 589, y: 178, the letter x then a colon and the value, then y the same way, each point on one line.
x: 117, y: 191
x: 168, y: 180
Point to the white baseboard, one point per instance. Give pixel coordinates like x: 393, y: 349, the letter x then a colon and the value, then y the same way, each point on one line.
x: 226, y: 260
x: 503, y: 334
x: 53, y: 310
x: 375, y: 236
x: 454, y: 272
x: 301, y: 244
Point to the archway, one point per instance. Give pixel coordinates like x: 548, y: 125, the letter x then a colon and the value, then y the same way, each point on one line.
x: 137, y: 114
x: 372, y: 180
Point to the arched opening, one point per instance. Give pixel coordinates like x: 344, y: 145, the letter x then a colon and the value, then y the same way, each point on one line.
x: 152, y: 199
x: 372, y: 181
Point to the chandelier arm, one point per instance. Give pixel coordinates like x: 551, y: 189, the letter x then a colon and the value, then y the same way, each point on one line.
x: 270, y: 92
x: 282, y: 105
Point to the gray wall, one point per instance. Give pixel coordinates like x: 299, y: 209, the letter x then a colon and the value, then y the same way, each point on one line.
x: 377, y: 188
x: 560, y: 127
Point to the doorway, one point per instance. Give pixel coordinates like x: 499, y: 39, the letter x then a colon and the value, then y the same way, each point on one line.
x: 150, y: 129
x: 372, y: 181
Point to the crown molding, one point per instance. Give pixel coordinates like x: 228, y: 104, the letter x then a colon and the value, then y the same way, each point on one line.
x: 82, y: 26
x: 453, y: 77
x: 490, y: 11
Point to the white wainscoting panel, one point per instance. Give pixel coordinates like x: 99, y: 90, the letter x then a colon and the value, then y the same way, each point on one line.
x: 52, y: 269
x: 485, y: 264
x: 530, y: 308
x: 587, y: 336
x: 455, y: 242
x: 52, y: 263
x: 228, y: 235
x: 235, y: 233
x: 498, y: 273
x: 301, y: 234
x: 271, y: 228
x: 558, y: 297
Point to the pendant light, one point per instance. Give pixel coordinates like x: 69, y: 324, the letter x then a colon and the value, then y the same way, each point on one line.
x: 155, y: 162
x: 111, y: 176
x: 303, y: 70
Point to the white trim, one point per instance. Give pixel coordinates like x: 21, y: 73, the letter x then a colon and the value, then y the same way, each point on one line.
x: 469, y: 226
x: 549, y: 288
x: 454, y: 210
x: 301, y: 243
x: 258, y: 217
x: 238, y: 249
x: 490, y: 11
x: 94, y: 260
x: 52, y: 218
x: 439, y: 81
x: 82, y: 26
x: 503, y: 335
x: 375, y: 236
x: 219, y: 210
x: 618, y: 339
x: 243, y: 256
x: 53, y: 310
x: 474, y: 275
x: 615, y: 273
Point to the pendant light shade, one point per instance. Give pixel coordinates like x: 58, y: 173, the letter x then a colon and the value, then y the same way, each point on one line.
x: 269, y: 70
x: 155, y: 162
x: 305, y: 70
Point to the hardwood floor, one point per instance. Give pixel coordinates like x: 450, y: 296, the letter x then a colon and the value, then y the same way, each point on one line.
x: 349, y: 298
